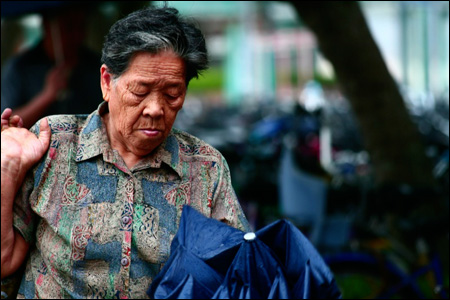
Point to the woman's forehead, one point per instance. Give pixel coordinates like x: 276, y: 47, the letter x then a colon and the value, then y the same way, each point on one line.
x: 145, y: 67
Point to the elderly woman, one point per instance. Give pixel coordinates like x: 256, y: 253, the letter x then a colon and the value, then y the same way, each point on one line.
x: 101, y: 202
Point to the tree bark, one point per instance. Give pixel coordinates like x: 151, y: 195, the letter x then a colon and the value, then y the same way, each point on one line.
x: 389, y: 135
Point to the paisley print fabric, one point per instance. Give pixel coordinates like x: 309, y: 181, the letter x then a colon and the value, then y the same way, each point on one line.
x: 101, y: 230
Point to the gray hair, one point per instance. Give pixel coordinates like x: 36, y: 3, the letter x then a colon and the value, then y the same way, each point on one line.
x: 154, y: 30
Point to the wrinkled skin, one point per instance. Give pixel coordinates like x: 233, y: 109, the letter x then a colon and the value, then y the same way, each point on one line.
x: 143, y: 103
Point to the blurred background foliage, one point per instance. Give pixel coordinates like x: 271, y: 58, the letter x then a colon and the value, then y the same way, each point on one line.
x: 298, y: 141
x: 412, y: 36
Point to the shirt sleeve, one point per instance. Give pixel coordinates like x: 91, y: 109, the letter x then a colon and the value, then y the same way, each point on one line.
x: 226, y: 207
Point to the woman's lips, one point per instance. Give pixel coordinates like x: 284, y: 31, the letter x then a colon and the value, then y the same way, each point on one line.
x: 150, y: 132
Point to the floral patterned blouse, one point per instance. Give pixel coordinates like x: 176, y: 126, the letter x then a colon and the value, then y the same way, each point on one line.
x: 101, y: 230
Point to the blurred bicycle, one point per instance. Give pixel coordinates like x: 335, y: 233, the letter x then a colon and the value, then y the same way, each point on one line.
x: 395, y: 256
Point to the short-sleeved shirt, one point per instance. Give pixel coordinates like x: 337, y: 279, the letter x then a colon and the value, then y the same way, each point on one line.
x: 101, y: 230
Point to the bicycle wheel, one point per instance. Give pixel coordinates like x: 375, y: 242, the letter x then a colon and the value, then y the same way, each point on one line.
x: 363, y: 276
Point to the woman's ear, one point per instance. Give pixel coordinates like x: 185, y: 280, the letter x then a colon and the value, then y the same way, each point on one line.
x: 105, y: 82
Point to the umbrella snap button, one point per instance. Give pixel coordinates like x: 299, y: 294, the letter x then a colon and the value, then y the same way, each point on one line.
x: 249, y: 236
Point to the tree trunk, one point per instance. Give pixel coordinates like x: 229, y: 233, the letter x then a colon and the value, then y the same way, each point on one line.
x: 389, y: 135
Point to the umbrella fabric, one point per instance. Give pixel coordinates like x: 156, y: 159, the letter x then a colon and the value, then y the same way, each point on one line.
x: 211, y: 260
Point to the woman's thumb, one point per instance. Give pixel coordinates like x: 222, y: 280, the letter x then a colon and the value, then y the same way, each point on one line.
x: 44, y: 133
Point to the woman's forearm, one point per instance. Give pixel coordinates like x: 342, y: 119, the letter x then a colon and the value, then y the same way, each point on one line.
x: 13, y: 246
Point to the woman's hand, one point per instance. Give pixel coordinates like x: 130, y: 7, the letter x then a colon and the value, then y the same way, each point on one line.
x: 20, y: 148
x: 8, y: 121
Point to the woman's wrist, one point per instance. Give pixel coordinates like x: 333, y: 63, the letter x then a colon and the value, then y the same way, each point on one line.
x: 10, y: 166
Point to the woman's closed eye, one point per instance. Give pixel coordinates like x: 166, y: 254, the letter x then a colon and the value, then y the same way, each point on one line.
x: 139, y: 94
x: 172, y: 96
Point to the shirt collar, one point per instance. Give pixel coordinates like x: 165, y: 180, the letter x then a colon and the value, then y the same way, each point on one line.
x: 93, y: 141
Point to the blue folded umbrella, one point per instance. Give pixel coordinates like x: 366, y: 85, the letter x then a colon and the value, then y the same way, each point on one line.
x: 211, y: 260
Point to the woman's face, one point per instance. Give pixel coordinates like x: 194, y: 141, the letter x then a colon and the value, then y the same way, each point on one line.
x: 144, y: 101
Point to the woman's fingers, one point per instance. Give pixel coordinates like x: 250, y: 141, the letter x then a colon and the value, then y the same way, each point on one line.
x: 6, y: 114
x: 8, y: 121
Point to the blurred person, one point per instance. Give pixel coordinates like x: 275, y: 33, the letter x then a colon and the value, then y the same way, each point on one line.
x: 58, y: 75
x: 92, y: 202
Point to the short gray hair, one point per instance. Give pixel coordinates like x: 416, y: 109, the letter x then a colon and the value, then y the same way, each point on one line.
x: 154, y: 30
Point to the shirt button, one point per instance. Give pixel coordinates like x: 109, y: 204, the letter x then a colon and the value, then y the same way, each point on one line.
x: 126, y: 220
x: 124, y: 261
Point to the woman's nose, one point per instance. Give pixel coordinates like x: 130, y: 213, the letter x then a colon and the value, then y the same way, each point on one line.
x: 154, y: 106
